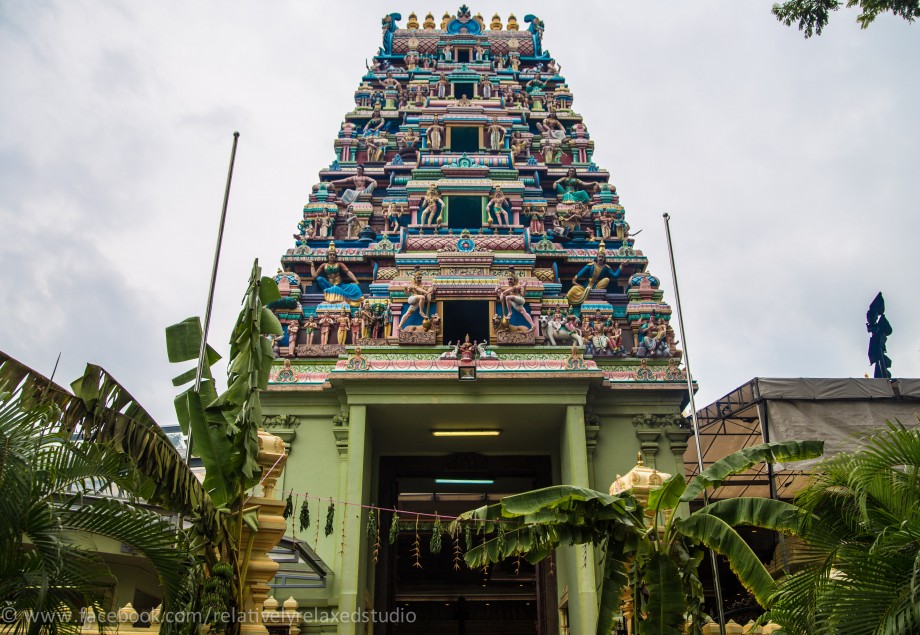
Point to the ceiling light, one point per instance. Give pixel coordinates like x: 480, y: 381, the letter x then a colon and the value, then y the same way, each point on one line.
x: 466, y: 433
x: 464, y: 481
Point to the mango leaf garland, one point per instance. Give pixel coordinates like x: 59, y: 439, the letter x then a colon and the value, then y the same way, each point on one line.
x: 435, y: 545
x: 288, y: 507
x: 394, y: 528
x: 330, y: 518
x: 305, y: 515
x: 372, y: 523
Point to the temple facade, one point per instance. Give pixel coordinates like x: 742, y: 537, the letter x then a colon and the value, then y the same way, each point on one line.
x: 466, y: 316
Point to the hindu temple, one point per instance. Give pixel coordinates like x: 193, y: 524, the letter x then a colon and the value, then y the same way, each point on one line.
x: 467, y: 315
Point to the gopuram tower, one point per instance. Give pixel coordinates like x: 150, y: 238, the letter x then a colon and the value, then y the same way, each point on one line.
x: 466, y: 316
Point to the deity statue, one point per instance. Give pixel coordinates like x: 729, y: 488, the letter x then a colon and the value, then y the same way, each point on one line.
x: 552, y: 68
x: 391, y: 83
x: 519, y: 145
x: 435, y: 325
x: 442, y: 87
x: 499, y: 206
x: 448, y: 53
x: 329, y: 278
x: 365, y: 318
x: 325, y: 324
x: 375, y: 123
x: 467, y: 349
x: 435, y: 135
x: 326, y: 222
x: 430, y: 207
x: 596, y: 276
x: 479, y: 53
x: 496, y: 134
x: 378, y: 319
x: 356, y: 327
x: 605, y: 220
x: 391, y: 214
x: 408, y: 145
x: 653, y: 341
x: 568, y: 188
x: 353, y: 223
x: 389, y: 26
x: 536, y: 33
x: 535, y: 85
x: 552, y: 124
x: 293, y: 328
x: 500, y: 62
x: 535, y: 214
x: 419, y: 298
x: 614, y: 337
x: 310, y: 326
x: 343, y: 324
x: 511, y: 297
x: 360, y: 183
x: 376, y: 148
x: 485, y: 87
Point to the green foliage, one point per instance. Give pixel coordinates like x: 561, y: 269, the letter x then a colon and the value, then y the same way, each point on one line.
x: 305, y: 514
x: 660, y: 568
x: 811, y: 16
x: 288, y: 507
x: 330, y: 519
x: 372, y: 524
x: 55, y: 487
x: 859, y: 571
x: 436, y: 531
x: 225, y: 427
x: 394, y: 529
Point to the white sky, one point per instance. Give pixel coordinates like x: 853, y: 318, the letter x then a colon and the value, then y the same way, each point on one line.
x: 788, y: 166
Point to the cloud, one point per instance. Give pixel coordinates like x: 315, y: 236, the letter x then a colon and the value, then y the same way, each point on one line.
x: 787, y: 166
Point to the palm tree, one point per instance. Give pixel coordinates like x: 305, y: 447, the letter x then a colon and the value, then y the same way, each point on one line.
x: 860, y: 563
x: 653, y: 563
x: 59, y: 463
x: 61, y: 453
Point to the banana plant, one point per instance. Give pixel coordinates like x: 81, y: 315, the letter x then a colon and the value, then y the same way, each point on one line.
x: 657, y: 562
x: 224, y: 427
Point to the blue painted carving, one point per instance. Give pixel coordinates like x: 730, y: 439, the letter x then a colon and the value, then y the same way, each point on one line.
x: 536, y: 33
x: 388, y: 24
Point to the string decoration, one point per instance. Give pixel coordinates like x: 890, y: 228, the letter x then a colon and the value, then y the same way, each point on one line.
x: 394, y: 529
x: 435, y: 545
x: 344, y: 524
x: 305, y: 515
x: 376, y: 534
x: 468, y: 536
x: 316, y: 534
x: 417, y: 547
x: 371, y: 523
x: 330, y: 518
x: 457, y: 551
x: 288, y: 507
x: 552, y: 564
x: 293, y: 524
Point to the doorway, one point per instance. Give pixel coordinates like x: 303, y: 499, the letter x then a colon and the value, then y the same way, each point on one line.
x: 509, y: 598
x: 464, y: 212
x: 464, y: 138
x: 465, y: 317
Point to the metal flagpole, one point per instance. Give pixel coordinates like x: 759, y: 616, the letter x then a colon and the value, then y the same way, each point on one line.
x: 207, y: 312
x: 696, y: 423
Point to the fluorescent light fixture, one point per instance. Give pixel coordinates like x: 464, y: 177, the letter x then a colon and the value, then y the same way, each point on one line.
x: 466, y: 433
x: 464, y: 481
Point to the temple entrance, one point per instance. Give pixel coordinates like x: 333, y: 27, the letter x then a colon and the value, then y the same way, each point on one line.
x: 511, y: 598
x: 466, y: 317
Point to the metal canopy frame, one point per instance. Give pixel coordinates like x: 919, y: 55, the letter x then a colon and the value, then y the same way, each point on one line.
x: 736, y: 421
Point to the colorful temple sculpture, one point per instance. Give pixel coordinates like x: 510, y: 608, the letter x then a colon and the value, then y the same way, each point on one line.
x: 466, y: 316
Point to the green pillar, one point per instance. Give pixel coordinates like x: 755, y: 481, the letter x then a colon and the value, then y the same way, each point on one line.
x: 353, y: 573
x: 574, y: 469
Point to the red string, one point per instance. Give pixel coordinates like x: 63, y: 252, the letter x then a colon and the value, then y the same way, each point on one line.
x: 391, y: 509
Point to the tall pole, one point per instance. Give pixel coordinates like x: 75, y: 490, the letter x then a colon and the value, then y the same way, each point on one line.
x: 203, y: 350
x: 696, y: 423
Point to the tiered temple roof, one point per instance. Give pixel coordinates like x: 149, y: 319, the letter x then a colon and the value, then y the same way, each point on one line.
x: 463, y: 199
